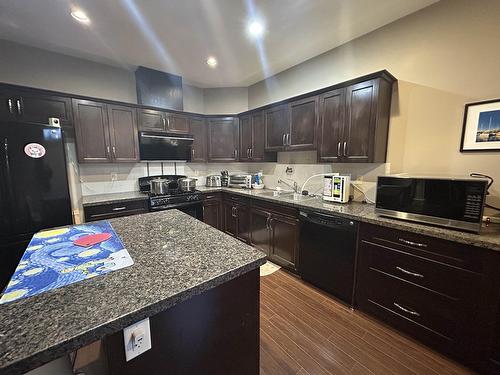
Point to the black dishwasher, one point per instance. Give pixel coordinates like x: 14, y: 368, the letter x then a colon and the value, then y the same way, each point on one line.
x: 327, y: 253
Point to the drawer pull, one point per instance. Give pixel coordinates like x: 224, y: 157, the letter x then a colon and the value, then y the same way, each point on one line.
x: 412, y: 243
x: 210, y: 196
x: 119, y: 208
x: 411, y: 312
x: 409, y: 272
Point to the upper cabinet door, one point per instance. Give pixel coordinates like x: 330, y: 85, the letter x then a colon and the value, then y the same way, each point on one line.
x: 123, y: 133
x: 35, y: 107
x: 245, y: 138
x: 223, y: 139
x: 331, y: 123
x: 152, y: 120
x: 92, y: 131
x: 177, y: 123
x: 258, y: 136
x: 361, y: 115
x: 277, y: 127
x: 199, y: 132
x: 303, y: 124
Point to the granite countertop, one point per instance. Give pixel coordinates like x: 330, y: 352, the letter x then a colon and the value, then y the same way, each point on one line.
x: 170, y: 266
x: 95, y: 200
x: 489, y: 237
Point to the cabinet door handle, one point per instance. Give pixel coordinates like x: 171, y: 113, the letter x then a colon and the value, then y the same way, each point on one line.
x: 163, y: 122
x: 338, y: 149
x: 11, y: 106
x: 251, y: 153
x: 168, y: 122
x: 107, y: 151
x: 408, y: 311
x: 248, y: 153
x: 412, y: 243
x: 284, y: 135
x: 288, y: 139
x: 119, y: 208
x: 409, y: 272
x: 192, y: 153
x: 19, y: 108
x: 235, y: 153
x: 114, y: 151
x: 345, y: 148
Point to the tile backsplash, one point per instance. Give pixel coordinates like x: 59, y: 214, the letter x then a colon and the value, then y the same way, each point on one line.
x: 115, y: 178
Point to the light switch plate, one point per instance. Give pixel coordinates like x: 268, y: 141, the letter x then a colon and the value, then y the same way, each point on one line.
x: 137, y: 339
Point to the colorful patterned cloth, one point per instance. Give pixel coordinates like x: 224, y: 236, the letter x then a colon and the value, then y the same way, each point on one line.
x: 51, y: 260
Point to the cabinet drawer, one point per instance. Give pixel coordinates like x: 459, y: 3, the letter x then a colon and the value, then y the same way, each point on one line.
x: 211, y: 196
x: 108, y: 211
x: 450, y: 281
x: 236, y: 198
x: 447, y: 252
x: 422, y: 313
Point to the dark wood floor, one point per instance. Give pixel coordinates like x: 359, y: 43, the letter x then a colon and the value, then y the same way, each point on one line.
x: 305, y: 331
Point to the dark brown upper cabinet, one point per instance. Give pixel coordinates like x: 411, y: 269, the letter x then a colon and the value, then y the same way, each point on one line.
x: 152, y: 120
x: 253, y: 137
x: 32, y: 106
x: 331, y: 125
x: 123, y: 133
x: 177, y: 123
x: 92, y: 131
x: 277, y: 125
x: 223, y: 139
x: 105, y: 132
x: 303, y: 124
x: 199, y: 132
x: 354, y: 123
x: 160, y: 121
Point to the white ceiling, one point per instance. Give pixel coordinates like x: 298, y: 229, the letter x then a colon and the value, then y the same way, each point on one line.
x: 177, y: 35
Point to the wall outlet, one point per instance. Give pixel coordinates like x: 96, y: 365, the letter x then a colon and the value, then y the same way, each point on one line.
x: 289, y: 170
x: 114, y: 176
x: 137, y: 339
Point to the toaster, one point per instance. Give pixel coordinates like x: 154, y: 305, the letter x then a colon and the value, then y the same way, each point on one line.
x: 213, y: 181
x: 240, y: 181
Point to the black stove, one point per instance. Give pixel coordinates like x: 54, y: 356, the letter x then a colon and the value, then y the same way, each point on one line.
x: 188, y: 202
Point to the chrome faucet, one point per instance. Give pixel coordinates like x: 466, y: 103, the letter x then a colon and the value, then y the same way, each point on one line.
x: 295, y: 186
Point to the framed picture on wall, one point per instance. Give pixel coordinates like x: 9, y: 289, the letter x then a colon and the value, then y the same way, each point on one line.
x: 481, y: 129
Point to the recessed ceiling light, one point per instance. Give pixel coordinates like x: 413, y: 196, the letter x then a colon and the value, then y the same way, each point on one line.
x: 211, y: 61
x: 80, y: 16
x: 255, y: 29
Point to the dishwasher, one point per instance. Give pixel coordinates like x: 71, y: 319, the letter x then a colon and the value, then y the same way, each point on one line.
x: 327, y: 253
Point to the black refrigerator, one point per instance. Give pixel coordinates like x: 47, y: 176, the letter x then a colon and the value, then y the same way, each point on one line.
x: 34, y: 191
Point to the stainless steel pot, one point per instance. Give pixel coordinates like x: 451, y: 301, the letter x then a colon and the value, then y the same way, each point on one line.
x: 159, y: 186
x: 213, y: 180
x: 187, y: 184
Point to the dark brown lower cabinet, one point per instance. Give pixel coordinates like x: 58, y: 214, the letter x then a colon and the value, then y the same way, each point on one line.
x: 275, y: 234
x: 212, y: 210
x: 494, y: 361
x: 437, y: 291
x: 236, y: 218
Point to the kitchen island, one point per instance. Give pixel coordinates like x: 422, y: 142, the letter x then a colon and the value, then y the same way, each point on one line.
x: 183, y: 270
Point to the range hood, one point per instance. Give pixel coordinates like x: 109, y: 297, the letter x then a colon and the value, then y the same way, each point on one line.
x: 158, y: 89
x: 154, y: 146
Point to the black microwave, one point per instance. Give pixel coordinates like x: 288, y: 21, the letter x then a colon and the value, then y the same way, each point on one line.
x: 450, y: 202
x: 164, y: 147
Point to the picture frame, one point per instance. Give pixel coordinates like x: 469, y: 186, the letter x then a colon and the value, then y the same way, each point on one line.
x: 481, y: 127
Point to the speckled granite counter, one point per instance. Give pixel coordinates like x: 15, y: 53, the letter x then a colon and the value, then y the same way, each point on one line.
x: 488, y: 238
x: 95, y: 200
x: 171, y: 265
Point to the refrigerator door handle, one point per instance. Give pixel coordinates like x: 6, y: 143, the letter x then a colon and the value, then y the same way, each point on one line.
x: 5, y: 147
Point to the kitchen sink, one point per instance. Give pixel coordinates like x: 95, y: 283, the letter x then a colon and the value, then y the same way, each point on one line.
x: 288, y: 195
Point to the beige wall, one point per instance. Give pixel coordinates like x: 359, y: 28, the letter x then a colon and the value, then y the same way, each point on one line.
x: 443, y: 56
x: 226, y: 100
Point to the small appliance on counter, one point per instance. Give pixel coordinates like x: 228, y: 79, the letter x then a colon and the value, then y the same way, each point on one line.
x: 336, y: 188
x: 450, y: 202
x: 224, y: 180
x: 240, y: 181
x: 214, y: 180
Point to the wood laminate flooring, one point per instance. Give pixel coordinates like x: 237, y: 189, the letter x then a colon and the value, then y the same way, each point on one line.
x: 305, y: 331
